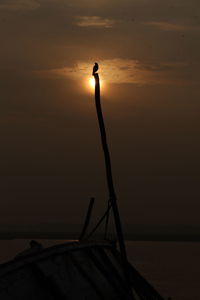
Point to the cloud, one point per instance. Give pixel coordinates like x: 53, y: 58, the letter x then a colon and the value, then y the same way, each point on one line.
x: 19, y: 4
x: 94, y: 21
x: 112, y: 71
x: 120, y: 71
x: 161, y: 66
x: 167, y: 26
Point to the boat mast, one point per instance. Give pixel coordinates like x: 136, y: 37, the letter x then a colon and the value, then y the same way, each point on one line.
x: 112, y: 194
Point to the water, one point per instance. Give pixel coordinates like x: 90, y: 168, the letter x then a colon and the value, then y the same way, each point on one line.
x: 173, y: 268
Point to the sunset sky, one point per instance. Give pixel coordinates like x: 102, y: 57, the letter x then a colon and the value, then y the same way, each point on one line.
x: 51, y: 158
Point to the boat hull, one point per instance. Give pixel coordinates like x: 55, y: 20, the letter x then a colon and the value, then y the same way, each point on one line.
x: 82, y: 270
x: 78, y: 270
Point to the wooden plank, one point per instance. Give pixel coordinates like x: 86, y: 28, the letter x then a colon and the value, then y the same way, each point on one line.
x: 88, y: 277
x: 109, y: 276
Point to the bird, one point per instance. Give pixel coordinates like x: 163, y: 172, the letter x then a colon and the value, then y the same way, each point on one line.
x: 95, y: 68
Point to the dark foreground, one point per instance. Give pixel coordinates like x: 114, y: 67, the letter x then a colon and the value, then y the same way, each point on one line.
x: 74, y: 270
x: 173, y: 268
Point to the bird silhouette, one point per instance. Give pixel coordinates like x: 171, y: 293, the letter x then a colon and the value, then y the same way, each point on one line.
x: 95, y: 68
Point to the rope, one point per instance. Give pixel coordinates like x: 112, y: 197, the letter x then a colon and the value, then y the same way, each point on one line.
x: 99, y: 222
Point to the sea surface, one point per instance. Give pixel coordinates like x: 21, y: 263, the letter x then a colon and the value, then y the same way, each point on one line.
x: 173, y: 268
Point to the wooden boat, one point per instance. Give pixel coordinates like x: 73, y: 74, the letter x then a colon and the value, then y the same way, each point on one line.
x: 84, y: 269
x: 77, y: 270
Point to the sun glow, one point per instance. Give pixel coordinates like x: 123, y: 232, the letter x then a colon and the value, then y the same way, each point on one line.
x: 92, y: 82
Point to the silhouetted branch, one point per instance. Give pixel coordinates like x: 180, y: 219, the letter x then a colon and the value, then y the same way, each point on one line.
x: 113, y: 198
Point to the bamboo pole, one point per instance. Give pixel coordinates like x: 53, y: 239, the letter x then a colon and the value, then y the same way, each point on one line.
x: 112, y: 194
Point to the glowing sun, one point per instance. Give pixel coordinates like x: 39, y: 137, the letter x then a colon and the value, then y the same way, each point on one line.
x: 92, y: 82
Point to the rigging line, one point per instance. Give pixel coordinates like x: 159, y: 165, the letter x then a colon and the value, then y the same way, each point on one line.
x: 99, y: 222
x: 87, y: 219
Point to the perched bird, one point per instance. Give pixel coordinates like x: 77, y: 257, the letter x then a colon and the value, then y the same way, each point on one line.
x: 95, y: 68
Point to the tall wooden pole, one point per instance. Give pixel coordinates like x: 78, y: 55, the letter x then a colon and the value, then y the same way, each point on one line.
x: 112, y: 194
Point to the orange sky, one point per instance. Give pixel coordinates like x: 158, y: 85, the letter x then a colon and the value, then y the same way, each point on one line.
x: 51, y: 160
